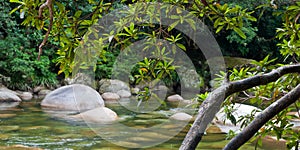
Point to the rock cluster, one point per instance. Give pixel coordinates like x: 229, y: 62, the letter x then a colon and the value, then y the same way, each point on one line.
x: 82, y: 99
x: 113, y: 89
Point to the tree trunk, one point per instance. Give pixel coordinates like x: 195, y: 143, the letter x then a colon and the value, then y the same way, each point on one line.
x: 211, y: 105
x: 263, y: 118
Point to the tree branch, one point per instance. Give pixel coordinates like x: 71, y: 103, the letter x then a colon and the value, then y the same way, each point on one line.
x: 212, y: 104
x: 263, y: 118
x: 48, y: 4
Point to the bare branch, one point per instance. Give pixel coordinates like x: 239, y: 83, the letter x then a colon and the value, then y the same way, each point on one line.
x: 48, y: 4
x: 297, y: 18
x: 263, y: 118
x: 212, y: 104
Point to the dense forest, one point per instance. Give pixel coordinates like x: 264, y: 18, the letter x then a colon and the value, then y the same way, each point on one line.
x: 41, y: 42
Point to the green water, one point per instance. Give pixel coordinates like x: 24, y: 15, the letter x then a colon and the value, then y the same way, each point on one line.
x: 28, y: 125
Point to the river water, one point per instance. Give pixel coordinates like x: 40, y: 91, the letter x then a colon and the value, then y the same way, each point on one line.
x: 27, y: 125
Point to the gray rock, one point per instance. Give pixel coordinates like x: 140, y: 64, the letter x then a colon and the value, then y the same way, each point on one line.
x: 98, y: 115
x: 181, y: 116
x: 239, y: 110
x: 109, y: 96
x: 5, y: 89
x: 162, y: 88
x: 124, y: 94
x: 25, y: 96
x: 38, y: 89
x: 8, y: 97
x: 73, y: 97
x: 160, y: 91
x: 175, y: 98
x: 107, y: 85
x: 43, y: 93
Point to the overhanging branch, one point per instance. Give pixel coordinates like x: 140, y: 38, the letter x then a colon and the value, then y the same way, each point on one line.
x: 263, y: 118
x: 212, y: 104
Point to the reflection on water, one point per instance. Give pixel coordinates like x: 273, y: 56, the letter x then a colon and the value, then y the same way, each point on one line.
x: 29, y: 125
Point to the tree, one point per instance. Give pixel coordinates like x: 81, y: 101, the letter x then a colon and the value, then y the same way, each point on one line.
x: 211, y: 105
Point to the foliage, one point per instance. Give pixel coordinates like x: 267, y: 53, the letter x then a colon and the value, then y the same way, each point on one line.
x: 261, y: 35
x: 73, y: 19
x: 18, y: 57
x: 262, y: 96
x: 105, y: 65
x: 71, y: 22
x: 153, y: 69
x: 289, y: 34
x: 250, y: 33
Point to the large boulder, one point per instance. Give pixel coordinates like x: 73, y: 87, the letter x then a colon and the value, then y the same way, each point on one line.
x: 239, y: 110
x: 108, y: 85
x: 98, y: 115
x: 6, y: 96
x: 73, y: 97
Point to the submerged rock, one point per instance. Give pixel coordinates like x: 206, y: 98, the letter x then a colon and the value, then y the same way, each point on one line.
x: 73, y: 97
x: 98, y: 115
x: 19, y: 147
x: 7, y: 115
x: 213, y: 129
x: 8, y: 105
x: 9, y: 128
x: 181, y: 116
x: 4, y: 137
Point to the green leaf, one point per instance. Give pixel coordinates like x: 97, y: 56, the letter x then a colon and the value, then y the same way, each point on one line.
x: 293, y: 7
x: 217, y: 22
x: 251, y: 18
x: 77, y: 14
x: 181, y: 46
x: 17, y: 1
x: 219, y: 29
x: 15, y: 9
x: 173, y: 25
x: 239, y: 32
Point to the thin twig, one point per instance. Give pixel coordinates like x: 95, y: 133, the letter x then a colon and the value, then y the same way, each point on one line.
x: 48, y: 4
